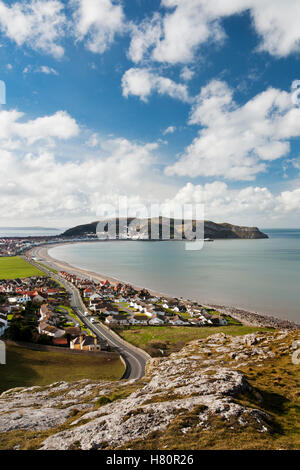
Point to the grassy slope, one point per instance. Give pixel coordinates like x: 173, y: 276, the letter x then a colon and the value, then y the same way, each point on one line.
x: 15, y: 267
x: 26, y: 368
x: 176, y: 337
x: 277, y: 380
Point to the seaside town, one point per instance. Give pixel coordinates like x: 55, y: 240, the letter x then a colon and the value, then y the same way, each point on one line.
x: 37, y: 309
x: 15, y: 246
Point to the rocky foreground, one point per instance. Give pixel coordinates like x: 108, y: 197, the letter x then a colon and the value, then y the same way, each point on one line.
x: 188, y: 393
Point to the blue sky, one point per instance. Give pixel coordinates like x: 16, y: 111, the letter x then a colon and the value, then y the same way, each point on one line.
x: 164, y: 101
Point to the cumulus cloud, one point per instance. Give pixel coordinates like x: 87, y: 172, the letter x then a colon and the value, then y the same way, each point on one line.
x: 235, y: 142
x: 59, y: 125
x: 38, y: 24
x: 250, y: 205
x: 143, y: 83
x: 96, y: 22
x: 187, y: 74
x: 144, y: 36
x: 174, y: 35
x: 169, y: 130
x: 36, y: 184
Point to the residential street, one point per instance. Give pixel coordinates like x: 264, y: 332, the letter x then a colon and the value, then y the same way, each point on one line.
x: 135, y: 360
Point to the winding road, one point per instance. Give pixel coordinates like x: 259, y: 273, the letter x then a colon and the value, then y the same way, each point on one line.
x: 134, y: 358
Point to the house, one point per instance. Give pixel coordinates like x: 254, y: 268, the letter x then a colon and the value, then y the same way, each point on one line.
x: 38, y: 299
x: 49, y: 330
x: 88, y: 292
x: 60, y: 342
x: 73, y: 331
x: 94, y: 297
x: 177, y: 320
x: 216, y: 320
x: 156, y: 320
x: 85, y: 343
x: 139, y: 320
x: 197, y: 321
x: 111, y: 320
x: 45, y: 311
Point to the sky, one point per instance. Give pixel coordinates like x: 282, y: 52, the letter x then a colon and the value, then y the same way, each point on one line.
x: 161, y: 101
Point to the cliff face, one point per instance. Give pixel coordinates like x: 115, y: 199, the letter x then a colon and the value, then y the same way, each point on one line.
x: 211, y: 229
x: 198, y: 398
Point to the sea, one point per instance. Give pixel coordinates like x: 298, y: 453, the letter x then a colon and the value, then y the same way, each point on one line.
x: 258, y: 275
x: 28, y: 232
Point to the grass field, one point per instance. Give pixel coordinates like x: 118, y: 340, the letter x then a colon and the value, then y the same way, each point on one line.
x: 15, y: 267
x: 26, y: 368
x: 173, y: 338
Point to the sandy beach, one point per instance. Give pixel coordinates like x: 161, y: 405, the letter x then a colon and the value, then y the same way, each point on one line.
x: 244, y: 316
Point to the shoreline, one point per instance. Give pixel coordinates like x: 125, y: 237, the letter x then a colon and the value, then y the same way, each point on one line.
x: 244, y: 316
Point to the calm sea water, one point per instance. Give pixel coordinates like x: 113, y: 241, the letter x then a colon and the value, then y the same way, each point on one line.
x: 28, y: 232
x: 259, y: 275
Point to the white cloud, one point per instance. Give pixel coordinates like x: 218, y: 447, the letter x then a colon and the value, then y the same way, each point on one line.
x: 187, y: 74
x: 38, y: 24
x: 175, y: 35
x: 143, y: 36
x: 37, y: 185
x: 47, y: 70
x: 252, y: 205
x: 93, y: 141
x: 97, y: 22
x: 59, y: 125
x: 40, y: 69
x: 169, y: 130
x: 143, y: 83
x: 236, y: 141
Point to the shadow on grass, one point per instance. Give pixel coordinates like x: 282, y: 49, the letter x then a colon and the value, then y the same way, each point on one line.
x: 16, y: 372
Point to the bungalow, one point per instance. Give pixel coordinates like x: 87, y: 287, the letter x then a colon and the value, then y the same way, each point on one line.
x: 156, y: 320
x: 197, y: 322
x: 178, y: 321
x: 139, y: 320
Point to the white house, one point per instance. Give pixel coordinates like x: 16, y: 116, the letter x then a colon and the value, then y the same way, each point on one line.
x: 156, y: 321
x: 178, y: 321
